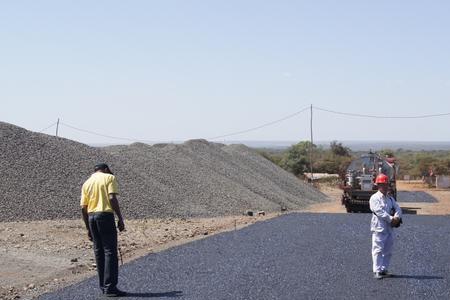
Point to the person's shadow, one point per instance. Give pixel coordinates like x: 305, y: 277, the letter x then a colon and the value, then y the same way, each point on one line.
x: 171, y: 294
x: 419, y: 277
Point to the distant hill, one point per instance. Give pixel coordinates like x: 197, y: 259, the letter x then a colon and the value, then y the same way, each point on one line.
x: 356, y: 145
x: 353, y: 145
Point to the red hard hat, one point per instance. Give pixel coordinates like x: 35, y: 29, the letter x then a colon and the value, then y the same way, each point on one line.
x: 381, y: 178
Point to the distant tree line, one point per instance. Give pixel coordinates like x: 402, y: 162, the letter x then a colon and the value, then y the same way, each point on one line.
x: 336, y: 158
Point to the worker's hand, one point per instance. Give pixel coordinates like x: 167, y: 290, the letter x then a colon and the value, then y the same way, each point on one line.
x: 121, y: 225
x: 89, y: 235
x: 395, y: 222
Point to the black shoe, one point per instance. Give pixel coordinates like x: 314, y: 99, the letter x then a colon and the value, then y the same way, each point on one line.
x: 115, y: 293
x: 385, y: 273
x: 378, y: 275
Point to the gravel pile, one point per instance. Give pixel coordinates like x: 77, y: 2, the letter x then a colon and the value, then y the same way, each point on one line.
x: 41, y: 178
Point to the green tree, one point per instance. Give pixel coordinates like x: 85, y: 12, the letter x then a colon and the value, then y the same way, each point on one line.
x: 387, y: 153
x: 296, y: 158
x: 339, y: 150
x: 276, y: 158
x: 423, y: 163
x: 335, y: 160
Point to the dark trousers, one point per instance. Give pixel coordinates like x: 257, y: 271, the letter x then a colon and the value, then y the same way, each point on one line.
x: 104, y: 236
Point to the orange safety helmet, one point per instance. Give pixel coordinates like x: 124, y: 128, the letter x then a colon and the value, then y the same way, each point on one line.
x: 381, y: 178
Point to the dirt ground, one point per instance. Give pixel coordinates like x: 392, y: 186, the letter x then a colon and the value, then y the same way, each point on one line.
x: 440, y: 207
x: 42, y: 256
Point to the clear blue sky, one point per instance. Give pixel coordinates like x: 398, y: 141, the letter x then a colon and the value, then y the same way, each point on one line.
x: 176, y: 70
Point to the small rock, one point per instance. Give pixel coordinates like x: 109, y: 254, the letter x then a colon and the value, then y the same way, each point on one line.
x: 74, y: 260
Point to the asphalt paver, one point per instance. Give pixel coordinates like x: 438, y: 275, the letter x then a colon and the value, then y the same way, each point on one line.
x: 295, y: 256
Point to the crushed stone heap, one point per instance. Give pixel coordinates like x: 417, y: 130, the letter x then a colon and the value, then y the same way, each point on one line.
x: 41, y: 178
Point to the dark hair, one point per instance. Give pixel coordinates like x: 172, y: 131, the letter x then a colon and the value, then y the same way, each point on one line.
x: 103, y: 167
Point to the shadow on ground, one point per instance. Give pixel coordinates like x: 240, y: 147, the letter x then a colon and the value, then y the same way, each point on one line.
x: 418, y: 277
x: 171, y: 294
x: 409, y: 210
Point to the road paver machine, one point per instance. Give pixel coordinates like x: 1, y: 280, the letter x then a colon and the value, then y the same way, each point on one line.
x: 359, y: 180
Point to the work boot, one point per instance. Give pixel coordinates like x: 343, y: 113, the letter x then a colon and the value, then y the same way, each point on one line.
x: 377, y: 275
x: 115, y: 293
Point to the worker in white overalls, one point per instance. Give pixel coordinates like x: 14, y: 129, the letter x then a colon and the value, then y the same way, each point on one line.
x: 386, y: 215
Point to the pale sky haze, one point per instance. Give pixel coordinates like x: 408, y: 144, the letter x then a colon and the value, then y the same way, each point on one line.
x: 177, y: 70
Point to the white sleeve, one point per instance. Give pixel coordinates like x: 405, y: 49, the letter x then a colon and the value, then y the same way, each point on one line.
x: 398, y: 210
x: 377, y: 209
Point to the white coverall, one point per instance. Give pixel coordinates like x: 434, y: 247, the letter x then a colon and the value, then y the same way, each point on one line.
x: 382, y: 231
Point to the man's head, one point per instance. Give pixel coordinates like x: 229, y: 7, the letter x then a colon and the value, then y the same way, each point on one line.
x: 102, y: 167
x: 382, y: 182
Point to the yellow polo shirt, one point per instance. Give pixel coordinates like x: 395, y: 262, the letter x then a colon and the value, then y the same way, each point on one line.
x: 95, y: 192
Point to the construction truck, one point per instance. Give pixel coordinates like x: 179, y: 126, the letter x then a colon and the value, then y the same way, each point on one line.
x: 359, y: 180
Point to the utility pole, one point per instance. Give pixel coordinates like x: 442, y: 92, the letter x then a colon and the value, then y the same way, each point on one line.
x: 311, y: 146
x: 57, y: 127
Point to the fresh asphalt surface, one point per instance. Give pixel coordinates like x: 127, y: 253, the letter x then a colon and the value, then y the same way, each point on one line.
x: 295, y: 256
x: 415, y: 196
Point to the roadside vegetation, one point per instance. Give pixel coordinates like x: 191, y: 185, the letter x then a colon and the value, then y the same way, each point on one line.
x: 335, y: 158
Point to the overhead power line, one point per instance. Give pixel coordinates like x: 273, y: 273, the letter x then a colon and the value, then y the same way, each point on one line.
x: 257, y: 127
x: 260, y: 126
x: 104, y: 135
x: 48, y: 127
x: 381, y: 117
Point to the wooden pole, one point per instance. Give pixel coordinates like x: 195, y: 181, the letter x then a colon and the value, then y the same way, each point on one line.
x: 311, y: 146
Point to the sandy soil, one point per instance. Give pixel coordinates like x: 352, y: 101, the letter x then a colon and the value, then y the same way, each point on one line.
x: 441, y: 207
x: 42, y: 256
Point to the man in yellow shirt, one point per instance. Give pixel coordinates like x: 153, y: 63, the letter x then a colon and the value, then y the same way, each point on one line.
x: 98, y: 205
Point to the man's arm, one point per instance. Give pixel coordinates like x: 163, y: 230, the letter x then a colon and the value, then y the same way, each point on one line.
x: 398, y: 213
x: 116, y: 208
x: 398, y: 210
x: 84, y: 213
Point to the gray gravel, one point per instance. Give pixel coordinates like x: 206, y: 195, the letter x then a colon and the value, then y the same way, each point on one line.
x: 41, y: 178
x: 296, y: 256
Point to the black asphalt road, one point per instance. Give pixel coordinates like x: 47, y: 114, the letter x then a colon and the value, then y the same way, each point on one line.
x: 415, y: 196
x: 296, y: 256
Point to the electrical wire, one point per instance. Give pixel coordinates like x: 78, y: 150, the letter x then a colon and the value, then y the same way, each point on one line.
x: 381, y: 117
x: 261, y: 126
x: 47, y: 127
x: 104, y: 135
